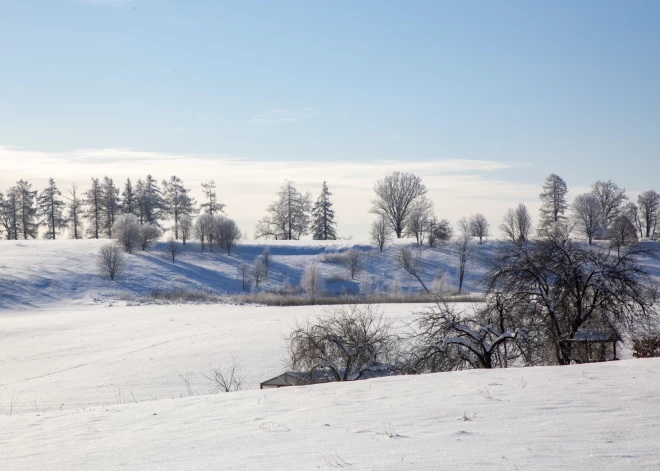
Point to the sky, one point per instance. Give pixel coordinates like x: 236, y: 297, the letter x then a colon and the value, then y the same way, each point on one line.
x: 481, y: 99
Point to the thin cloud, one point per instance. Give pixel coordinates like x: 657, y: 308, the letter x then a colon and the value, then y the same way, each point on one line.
x: 106, y: 3
x: 282, y: 116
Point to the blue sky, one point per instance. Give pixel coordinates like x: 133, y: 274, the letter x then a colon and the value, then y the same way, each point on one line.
x: 571, y: 87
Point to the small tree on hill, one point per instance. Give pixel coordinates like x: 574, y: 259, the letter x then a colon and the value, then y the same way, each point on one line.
x: 323, y: 217
x: 111, y: 260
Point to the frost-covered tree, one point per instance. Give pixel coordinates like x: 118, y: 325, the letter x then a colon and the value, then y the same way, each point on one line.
x: 649, y: 209
x: 93, y: 200
x: 464, y: 249
x: 149, y: 235
x: 109, y: 204
x: 396, y: 197
x: 517, y: 224
x: 75, y: 212
x: 129, y: 201
x: 203, y: 230
x: 439, y: 231
x: 51, y: 208
x: 228, y: 234
x: 622, y: 232
x: 611, y: 199
x: 150, y: 200
x: 126, y: 230
x: 111, y: 260
x: 312, y: 282
x: 288, y: 217
x: 587, y: 216
x: 417, y: 224
x: 347, y: 343
x: 9, y: 214
x: 258, y: 272
x: 323, y: 217
x: 186, y: 225
x: 631, y: 211
x: 176, y: 202
x: 553, y: 203
x: 353, y: 259
x: 479, y: 226
x: 173, y: 248
x: 28, y: 226
x: 380, y: 232
x: 211, y: 205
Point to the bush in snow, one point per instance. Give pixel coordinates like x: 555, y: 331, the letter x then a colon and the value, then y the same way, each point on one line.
x: 353, y: 260
x: 173, y: 248
x: 149, y: 235
x: 111, y: 260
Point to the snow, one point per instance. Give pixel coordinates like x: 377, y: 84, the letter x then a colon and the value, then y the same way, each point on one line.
x: 89, y: 382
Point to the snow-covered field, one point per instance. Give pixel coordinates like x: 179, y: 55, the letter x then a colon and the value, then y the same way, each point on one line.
x: 87, y: 382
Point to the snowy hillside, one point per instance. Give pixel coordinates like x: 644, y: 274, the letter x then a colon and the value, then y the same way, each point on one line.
x: 591, y: 417
x: 38, y: 272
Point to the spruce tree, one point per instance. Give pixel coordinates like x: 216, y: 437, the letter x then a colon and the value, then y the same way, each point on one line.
x: 323, y: 217
x: 129, y: 203
x: 109, y: 205
x: 51, y: 208
x: 150, y: 201
x: 211, y: 205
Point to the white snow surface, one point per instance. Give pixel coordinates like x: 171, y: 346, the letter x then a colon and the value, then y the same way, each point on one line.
x: 90, y: 383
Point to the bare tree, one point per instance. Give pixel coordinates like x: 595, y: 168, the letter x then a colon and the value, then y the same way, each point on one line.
x: 229, y: 234
x: 244, y: 274
x: 380, y: 232
x: 412, y: 264
x: 417, y: 224
x: 312, y: 282
x: 111, y: 260
x: 517, y: 224
x: 464, y: 250
x: 211, y: 205
x: 649, y: 208
x: 353, y: 260
x: 173, y: 248
x: 445, y: 340
x: 575, y: 285
x: 177, y: 202
x: 258, y: 272
x: 622, y: 233
x: 479, y: 226
x: 587, y: 215
x: 203, y: 230
x: 229, y: 378
x: 75, y: 213
x: 631, y: 211
x: 611, y: 199
x: 186, y: 228
x: 126, y: 230
x: 288, y: 217
x: 149, y: 235
x: 396, y: 196
x: 346, y: 343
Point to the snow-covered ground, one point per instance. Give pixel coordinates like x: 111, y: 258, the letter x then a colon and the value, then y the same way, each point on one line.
x: 37, y: 272
x: 89, y: 382
x: 591, y: 417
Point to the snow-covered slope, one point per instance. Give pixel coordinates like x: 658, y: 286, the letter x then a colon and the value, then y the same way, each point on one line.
x: 591, y: 417
x: 38, y: 272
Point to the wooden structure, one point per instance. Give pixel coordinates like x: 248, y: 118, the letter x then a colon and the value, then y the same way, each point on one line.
x: 593, y: 345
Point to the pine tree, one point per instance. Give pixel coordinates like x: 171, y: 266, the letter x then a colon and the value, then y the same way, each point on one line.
x: 9, y: 214
x: 129, y: 203
x: 93, y: 200
x: 323, y: 217
x: 75, y: 212
x: 28, y: 226
x: 177, y: 201
x: 109, y: 204
x: 51, y: 208
x: 553, y: 203
x: 211, y: 205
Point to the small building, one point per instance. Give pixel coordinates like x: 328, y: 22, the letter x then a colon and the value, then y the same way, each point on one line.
x: 593, y: 345
x: 294, y: 378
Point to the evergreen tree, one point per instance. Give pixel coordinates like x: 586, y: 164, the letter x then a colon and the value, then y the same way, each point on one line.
x: 129, y: 204
x: 93, y: 201
x: 51, y: 208
x: 211, y: 205
x: 9, y: 214
x: 553, y: 203
x: 75, y: 213
x: 177, y: 202
x: 323, y: 217
x: 139, y: 201
x: 28, y: 226
x: 150, y: 201
x: 109, y: 205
